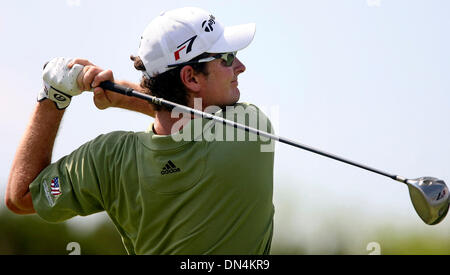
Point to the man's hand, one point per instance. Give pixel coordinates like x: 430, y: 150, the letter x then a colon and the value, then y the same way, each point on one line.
x: 90, y: 78
x: 60, y: 82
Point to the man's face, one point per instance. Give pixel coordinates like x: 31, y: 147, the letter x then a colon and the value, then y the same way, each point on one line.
x: 220, y: 86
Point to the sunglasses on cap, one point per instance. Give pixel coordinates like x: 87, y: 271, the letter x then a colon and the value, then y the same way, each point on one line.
x: 227, y: 57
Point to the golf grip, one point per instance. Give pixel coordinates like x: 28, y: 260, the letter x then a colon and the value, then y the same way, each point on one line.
x: 108, y: 85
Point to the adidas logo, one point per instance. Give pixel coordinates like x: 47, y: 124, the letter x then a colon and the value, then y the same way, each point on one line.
x: 170, y: 168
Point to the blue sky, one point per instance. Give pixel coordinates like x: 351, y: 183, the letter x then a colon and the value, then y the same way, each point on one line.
x: 364, y: 79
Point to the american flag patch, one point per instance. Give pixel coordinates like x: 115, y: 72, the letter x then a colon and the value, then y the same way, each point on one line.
x: 56, y: 190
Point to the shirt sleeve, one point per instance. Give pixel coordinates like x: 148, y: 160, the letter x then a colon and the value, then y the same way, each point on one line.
x: 77, y: 184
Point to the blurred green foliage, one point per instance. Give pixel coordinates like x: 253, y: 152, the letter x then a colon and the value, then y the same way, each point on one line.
x: 30, y: 235
x: 394, y: 242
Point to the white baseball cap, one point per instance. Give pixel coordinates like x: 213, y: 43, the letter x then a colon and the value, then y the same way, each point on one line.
x: 179, y: 35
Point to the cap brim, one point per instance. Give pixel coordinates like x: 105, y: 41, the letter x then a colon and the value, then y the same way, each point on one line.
x: 234, y: 38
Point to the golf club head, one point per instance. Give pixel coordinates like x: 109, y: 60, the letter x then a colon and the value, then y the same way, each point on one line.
x: 430, y: 198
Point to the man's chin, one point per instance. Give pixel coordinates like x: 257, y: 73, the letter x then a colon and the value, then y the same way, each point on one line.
x: 236, y: 97
x: 232, y: 102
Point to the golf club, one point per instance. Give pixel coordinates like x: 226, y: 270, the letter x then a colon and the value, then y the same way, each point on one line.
x: 429, y: 196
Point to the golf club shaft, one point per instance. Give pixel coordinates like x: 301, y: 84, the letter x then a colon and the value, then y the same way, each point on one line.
x: 108, y: 85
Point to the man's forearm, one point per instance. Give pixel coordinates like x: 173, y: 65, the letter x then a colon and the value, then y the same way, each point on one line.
x: 33, y: 154
x: 133, y: 103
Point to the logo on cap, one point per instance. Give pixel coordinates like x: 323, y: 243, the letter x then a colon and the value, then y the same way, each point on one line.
x: 207, y: 24
x: 183, y: 46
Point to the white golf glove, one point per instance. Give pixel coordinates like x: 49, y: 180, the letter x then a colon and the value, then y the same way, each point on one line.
x: 60, y: 82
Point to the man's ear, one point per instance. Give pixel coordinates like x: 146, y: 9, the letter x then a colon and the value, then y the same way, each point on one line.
x: 190, y: 79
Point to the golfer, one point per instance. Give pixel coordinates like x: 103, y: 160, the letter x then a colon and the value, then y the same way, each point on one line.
x: 165, y: 194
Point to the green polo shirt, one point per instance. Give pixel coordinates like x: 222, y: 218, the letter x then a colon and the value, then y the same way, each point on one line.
x: 194, y: 192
